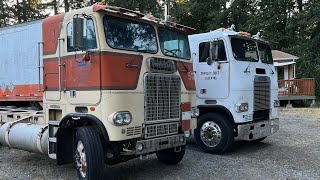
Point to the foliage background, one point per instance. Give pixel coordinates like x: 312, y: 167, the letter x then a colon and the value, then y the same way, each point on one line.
x: 292, y: 26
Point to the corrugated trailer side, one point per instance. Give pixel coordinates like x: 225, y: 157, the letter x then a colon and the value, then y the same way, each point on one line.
x: 19, y: 52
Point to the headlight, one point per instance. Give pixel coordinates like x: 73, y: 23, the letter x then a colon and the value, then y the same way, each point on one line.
x: 276, y: 103
x: 122, y: 118
x: 242, y: 107
x: 195, y: 112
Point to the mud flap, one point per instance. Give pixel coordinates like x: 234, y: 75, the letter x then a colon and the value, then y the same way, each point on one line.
x: 65, y: 146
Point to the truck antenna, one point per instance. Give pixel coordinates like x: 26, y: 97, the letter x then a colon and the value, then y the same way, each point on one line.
x: 166, y: 10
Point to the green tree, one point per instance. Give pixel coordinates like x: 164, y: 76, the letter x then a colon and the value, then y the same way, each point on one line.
x: 241, y: 14
x: 27, y: 10
x: 200, y: 14
x: 4, y: 13
x: 273, y: 19
x: 305, y: 26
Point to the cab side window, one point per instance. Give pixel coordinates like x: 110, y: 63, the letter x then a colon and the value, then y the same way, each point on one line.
x: 204, y: 49
x: 89, y: 36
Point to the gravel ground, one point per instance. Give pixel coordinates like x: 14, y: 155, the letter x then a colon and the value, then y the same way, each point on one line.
x: 292, y: 153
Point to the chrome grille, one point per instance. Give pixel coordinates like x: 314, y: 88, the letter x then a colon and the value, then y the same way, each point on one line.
x: 132, y: 131
x: 162, y: 97
x: 157, y: 130
x: 261, y: 93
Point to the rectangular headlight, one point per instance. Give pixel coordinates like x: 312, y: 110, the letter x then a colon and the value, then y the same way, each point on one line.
x: 122, y: 118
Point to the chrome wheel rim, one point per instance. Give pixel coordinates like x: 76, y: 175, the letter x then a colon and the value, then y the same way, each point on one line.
x: 81, y: 161
x: 210, y: 134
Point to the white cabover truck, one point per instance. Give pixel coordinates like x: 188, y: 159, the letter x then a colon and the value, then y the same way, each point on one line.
x: 236, y: 88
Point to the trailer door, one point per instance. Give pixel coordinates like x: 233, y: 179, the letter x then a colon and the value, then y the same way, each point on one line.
x: 212, y: 80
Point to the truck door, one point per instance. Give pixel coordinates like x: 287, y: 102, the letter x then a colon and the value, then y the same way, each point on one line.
x: 83, y: 82
x: 212, y: 79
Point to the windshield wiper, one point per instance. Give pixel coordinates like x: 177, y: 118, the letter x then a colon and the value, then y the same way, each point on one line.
x: 172, y: 51
x: 145, y: 50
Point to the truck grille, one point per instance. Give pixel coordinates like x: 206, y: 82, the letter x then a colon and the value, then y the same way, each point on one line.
x: 261, y: 97
x: 157, y: 130
x: 162, y: 97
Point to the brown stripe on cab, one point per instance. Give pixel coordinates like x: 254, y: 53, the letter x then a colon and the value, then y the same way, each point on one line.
x: 105, y: 71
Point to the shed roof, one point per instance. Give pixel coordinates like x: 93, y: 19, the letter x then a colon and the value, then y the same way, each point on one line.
x: 280, y: 55
x: 277, y: 64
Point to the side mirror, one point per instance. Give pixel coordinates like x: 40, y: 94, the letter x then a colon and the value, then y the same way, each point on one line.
x: 209, y: 61
x: 78, y: 32
x: 213, y: 54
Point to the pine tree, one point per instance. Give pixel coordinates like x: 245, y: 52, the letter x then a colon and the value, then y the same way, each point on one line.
x: 27, y: 10
x: 200, y: 14
x: 4, y: 13
x: 305, y: 26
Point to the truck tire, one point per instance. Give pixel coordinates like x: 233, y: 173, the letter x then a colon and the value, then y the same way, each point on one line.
x: 170, y: 157
x: 89, y: 155
x: 214, y: 133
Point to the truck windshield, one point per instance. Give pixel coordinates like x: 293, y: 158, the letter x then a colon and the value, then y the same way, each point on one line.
x: 130, y: 35
x: 244, y: 50
x: 265, y: 53
x: 174, y: 43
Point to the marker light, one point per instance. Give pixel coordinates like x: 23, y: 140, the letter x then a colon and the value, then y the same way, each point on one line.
x: 86, y: 57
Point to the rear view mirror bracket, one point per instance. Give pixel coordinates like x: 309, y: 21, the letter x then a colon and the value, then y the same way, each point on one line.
x: 213, y: 52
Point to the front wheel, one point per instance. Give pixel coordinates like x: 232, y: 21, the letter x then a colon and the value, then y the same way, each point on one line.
x: 214, y: 133
x: 89, y: 156
x: 170, y: 156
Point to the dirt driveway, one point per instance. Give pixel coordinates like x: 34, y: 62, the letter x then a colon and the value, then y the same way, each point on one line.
x: 292, y: 153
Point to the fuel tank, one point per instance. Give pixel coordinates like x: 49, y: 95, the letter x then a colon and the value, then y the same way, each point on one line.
x: 25, y: 136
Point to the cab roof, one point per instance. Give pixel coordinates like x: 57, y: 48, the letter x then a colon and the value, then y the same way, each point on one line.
x: 222, y: 32
x: 139, y: 15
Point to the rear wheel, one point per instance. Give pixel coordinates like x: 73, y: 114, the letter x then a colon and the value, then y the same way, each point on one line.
x: 214, y: 133
x: 170, y: 157
x: 89, y: 156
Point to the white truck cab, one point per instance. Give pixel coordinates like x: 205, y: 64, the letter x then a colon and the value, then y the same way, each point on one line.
x: 236, y: 89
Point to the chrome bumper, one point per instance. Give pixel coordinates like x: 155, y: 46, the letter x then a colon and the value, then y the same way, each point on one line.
x: 257, y: 130
x: 157, y: 144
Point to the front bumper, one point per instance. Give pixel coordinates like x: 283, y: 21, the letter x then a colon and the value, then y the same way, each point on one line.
x: 256, y: 130
x: 157, y: 144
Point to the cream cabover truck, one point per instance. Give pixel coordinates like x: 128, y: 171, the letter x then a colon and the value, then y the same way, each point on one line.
x: 114, y: 84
